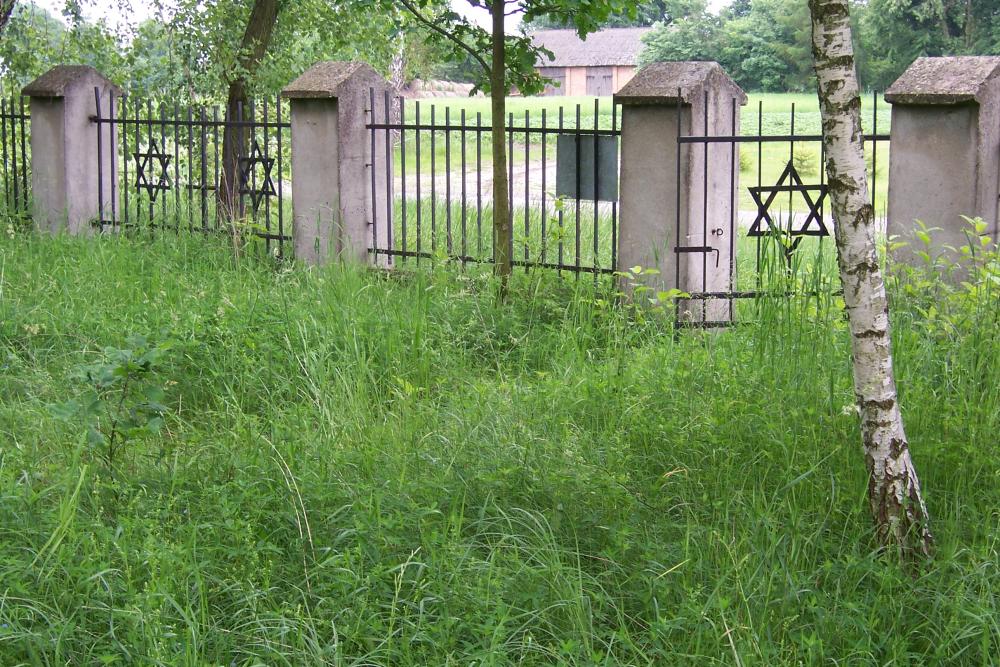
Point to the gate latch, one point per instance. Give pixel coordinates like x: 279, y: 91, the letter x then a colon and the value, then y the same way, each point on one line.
x: 702, y: 249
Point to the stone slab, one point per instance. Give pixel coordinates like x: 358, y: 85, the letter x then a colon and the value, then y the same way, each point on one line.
x: 944, y: 81
x: 672, y: 82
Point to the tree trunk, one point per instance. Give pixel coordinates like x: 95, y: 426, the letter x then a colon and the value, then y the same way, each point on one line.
x: 502, y: 241
x: 6, y: 9
x: 256, y: 39
x: 898, y: 509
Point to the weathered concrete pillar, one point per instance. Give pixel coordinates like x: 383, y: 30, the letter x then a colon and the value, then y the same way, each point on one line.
x: 68, y: 181
x: 336, y: 212
x: 944, y: 157
x: 674, y: 218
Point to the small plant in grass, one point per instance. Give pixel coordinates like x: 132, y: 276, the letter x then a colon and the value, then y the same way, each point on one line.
x: 804, y: 159
x: 123, y: 399
x: 644, y: 297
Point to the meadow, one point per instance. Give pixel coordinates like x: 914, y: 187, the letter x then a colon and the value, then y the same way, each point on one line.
x: 348, y: 467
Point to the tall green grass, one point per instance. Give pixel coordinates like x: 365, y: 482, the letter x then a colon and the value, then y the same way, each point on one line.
x: 359, y: 468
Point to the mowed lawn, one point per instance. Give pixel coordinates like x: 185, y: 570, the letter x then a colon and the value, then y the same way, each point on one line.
x: 356, y: 468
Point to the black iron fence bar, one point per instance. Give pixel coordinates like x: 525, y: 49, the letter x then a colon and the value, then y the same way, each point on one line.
x: 485, y: 129
x: 758, y: 294
x: 402, y: 169
x: 733, y: 205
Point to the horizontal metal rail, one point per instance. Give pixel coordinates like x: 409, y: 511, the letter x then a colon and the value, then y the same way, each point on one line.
x: 486, y: 129
x: 469, y: 259
x: 765, y: 138
x: 172, y: 122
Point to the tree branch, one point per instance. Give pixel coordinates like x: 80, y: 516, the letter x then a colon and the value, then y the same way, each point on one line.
x: 410, y: 7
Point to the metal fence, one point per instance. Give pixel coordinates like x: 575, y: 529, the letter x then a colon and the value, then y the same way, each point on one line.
x: 171, y: 170
x: 773, y: 235
x: 16, y: 154
x: 438, y: 186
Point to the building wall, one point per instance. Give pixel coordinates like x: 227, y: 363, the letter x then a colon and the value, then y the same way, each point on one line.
x: 623, y: 75
x: 574, y: 79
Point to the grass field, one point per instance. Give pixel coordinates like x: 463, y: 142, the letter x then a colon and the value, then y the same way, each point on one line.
x: 360, y: 469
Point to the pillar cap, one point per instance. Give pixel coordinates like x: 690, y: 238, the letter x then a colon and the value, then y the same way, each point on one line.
x: 672, y: 82
x: 62, y: 79
x: 945, y: 81
x: 331, y: 79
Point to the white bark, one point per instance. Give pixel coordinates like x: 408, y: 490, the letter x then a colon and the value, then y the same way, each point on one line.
x: 897, y: 506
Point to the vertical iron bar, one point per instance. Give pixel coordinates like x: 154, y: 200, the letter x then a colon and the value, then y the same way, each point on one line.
x: 579, y: 194
x: 544, y: 208
x: 149, y: 140
x: 433, y: 181
x: 479, y: 184
x: 204, y: 171
x: 760, y: 162
x: 733, y: 203
x: 100, y: 162
x: 791, y: 160
x: 402, y: 167
x: 113, y: 154
x: 465, y: 230
x: 24, y: 158
x: 527, y: 181
x: 265, y: 130
x: 178, y: 194
x: 561, y: 214
x: 215, y: 151
x: 510, y: 185
x: 163, y: 151
x: 597, y: 201
x: 704, y: 211
x: 874, y: 147
x: 281, y: 200
x: 189, y: 186
x: 389, y: 217
x: 3, y: 148
x: 677, y: 245
x: 447, y: 177
x: 614, y: 201
x: 417, y: 134
x: 126, y: 184
x: 371, y: 167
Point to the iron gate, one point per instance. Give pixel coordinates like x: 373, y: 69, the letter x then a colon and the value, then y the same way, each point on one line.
x: 437, y: 188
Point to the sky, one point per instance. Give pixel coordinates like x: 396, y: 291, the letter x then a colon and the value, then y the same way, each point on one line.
x: 142, y: 9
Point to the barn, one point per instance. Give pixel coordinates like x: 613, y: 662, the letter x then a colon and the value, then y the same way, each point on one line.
x: 600, y: 66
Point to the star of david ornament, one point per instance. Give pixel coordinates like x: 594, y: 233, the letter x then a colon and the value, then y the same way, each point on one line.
x: 790, y: 181
x: 248, y: 168
x: 151, y: 170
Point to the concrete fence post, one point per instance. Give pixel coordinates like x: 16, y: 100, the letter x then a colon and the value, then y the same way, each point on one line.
x: 944, y: 157
x: 666, y: 198
x: 339, y: 211
x: 69, y: 173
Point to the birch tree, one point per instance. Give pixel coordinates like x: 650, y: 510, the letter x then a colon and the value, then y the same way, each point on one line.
x: 897, y: 506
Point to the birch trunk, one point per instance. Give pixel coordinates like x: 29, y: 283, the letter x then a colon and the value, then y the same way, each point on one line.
x: 897, y: 506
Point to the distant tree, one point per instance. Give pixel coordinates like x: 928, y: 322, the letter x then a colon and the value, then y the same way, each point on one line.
x: 642, y: 14
x: 893, y: 33
x: 894, y: 496
x: 6, y: 9
x: 694, y: 37
x: 764, y: 45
